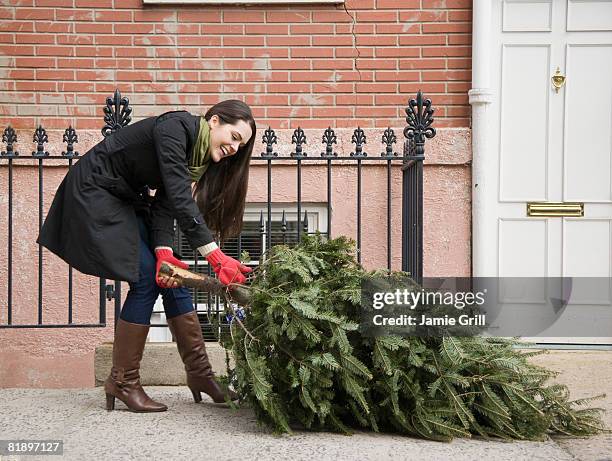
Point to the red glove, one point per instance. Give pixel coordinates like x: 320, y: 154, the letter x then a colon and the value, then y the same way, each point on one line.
x: 165, y: 255
x: 228, y: 269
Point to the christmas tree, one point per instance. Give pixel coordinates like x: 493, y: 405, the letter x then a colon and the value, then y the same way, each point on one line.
x: 301, y: 362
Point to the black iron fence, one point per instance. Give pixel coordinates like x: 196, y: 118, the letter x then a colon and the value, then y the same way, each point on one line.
x: 263, y: 232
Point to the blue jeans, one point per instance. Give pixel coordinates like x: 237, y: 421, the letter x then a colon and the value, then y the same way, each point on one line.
x: 141, y: 297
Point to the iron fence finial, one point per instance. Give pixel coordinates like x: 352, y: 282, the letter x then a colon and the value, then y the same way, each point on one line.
x: 9, y: 137
x: 117, y: 113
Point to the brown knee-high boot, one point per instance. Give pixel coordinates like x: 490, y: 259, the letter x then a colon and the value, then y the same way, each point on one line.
x: 124, y: 379
x: 200, y: 377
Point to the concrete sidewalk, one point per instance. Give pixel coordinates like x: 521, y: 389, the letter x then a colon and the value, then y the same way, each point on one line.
x: 208, y: 432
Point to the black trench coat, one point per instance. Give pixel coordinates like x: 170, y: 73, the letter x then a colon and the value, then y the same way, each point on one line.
x: 92, y: 223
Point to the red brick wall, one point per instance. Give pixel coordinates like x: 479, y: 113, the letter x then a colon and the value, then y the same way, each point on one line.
x: 311, y: 66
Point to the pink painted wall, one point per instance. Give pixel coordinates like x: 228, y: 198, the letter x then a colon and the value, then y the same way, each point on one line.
x: 63, y: 357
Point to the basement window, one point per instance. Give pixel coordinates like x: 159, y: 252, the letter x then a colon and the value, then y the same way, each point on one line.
x: 252, y: 241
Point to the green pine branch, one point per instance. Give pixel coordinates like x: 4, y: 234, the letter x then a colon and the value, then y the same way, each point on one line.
x: 300, y: 360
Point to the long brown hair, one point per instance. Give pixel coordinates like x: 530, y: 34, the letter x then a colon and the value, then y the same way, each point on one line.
x: 221, y: 191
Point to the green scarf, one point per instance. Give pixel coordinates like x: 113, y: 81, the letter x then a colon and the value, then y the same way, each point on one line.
x: 200, y: 157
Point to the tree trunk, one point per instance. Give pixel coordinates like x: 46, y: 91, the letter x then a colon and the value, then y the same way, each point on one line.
x: 238, y: 293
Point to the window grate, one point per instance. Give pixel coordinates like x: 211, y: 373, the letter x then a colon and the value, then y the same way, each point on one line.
x: 253, y: 239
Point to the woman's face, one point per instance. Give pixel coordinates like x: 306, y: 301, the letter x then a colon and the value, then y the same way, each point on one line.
x: 226, y: 139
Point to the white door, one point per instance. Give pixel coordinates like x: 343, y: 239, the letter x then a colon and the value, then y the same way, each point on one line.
x: 553, y: 147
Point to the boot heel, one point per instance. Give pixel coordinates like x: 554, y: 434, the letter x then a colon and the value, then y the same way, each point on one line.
x: 197, y: 395
x: 110, y: 402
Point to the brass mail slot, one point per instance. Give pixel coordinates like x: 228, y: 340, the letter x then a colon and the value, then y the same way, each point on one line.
x: 555, y: 209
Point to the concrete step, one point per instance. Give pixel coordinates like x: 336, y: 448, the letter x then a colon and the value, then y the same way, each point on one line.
x: 161, y: 364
